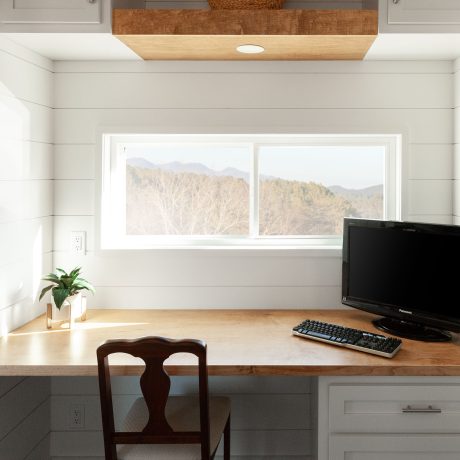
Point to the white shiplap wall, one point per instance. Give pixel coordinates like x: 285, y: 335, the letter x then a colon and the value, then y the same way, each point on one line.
x: 270, y: 415
x: 26, y: 171
x: 25, y: 418
x: 26, y: 186
x: 412, y: 98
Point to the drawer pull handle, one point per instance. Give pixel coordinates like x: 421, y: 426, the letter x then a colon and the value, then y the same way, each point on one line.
x: 424, y: 410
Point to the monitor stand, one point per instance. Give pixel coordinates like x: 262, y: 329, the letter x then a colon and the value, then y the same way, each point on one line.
x: 414, y: 331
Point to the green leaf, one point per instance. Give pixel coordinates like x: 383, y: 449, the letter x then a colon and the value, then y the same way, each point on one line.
x: 67, y: 281
x: 59, y: 296
x: 51, y: 277
x: 62, y: 271
x: 75, y: 272
x: 81, y: 283
x: 44, y: 291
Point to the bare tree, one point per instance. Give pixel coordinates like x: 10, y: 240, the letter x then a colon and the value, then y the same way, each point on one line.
x: 161, y: 202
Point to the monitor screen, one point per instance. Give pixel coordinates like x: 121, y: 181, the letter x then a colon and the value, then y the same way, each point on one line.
x: 403, y: 270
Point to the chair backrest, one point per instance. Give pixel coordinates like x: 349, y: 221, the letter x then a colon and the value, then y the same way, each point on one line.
x: 155, y: 385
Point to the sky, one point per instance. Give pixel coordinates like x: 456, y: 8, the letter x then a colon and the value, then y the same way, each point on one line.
x: 350, y: 167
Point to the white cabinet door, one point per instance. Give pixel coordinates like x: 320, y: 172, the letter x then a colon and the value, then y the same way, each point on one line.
x: 394, y: 447
x: 423, y: 11
x: 50, y: 11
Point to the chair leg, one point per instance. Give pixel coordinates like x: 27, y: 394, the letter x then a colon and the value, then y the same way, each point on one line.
x: 227, y: 440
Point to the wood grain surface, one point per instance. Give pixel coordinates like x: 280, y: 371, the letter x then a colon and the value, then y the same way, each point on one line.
x: 214, y: 34
x: 240, y: 342
x: 244, y: 22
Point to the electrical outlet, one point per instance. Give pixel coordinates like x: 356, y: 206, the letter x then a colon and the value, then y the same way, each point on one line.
x: 76, y: 418
x: 78, y: 242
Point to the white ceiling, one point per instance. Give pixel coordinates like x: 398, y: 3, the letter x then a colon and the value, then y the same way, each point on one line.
x: 76, y: 46
x: 415, y: 47
x: 100, y: 46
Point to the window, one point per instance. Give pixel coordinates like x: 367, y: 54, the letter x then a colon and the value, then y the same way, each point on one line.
x: 170, y: 190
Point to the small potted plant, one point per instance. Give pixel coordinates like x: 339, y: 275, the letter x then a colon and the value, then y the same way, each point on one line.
x: 66, y: 292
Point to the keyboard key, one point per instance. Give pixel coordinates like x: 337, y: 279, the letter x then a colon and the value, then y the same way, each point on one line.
x: 319, y: 335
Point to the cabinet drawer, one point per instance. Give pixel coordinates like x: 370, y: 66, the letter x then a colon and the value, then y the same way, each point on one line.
x: 379, y: 408
x: 394, y: 447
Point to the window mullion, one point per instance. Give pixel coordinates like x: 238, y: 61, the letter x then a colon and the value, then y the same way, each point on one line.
x: 118, y: 194
x: 254, y: 193
x: 122, y: 169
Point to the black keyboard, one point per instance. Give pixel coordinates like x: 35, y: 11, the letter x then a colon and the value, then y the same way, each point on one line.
x: 350, y: 338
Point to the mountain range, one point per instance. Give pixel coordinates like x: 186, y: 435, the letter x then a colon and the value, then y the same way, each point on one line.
x: 350, y: 193
x: 199, y: 168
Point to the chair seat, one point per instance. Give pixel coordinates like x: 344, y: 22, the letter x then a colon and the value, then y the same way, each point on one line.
x: 183, y: 414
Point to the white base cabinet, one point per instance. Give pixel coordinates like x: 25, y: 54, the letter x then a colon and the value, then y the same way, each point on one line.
x: 393, y: 447
x: 388, y: 418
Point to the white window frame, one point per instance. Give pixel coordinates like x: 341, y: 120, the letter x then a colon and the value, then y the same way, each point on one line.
x: 112, y: 189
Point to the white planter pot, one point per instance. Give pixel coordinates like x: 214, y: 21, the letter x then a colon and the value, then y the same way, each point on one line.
x: 74, y: 307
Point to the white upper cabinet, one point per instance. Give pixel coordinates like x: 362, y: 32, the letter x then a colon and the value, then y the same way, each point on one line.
x: 419, y: 16
x: 50, y: 11
x: 423, y: 11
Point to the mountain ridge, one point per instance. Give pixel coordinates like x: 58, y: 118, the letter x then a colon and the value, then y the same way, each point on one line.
x: 200, y: 168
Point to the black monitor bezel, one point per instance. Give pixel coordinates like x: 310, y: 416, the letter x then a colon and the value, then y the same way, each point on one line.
x: 421, y: 317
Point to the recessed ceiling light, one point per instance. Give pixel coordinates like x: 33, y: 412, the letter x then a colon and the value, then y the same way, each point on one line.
x: 250, y: 49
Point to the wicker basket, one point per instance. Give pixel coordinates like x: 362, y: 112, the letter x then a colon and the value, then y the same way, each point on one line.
x: 246, y: 4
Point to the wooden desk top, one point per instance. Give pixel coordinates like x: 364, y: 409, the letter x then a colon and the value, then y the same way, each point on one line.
x: 240, y: 342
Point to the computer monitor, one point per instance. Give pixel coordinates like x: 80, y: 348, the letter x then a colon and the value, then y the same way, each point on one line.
x: 406, y: 272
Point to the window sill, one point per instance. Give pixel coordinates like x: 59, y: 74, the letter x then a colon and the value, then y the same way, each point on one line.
x: 234, y: 251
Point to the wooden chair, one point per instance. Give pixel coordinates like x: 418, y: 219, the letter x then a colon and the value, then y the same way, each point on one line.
x: 159, y: 426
